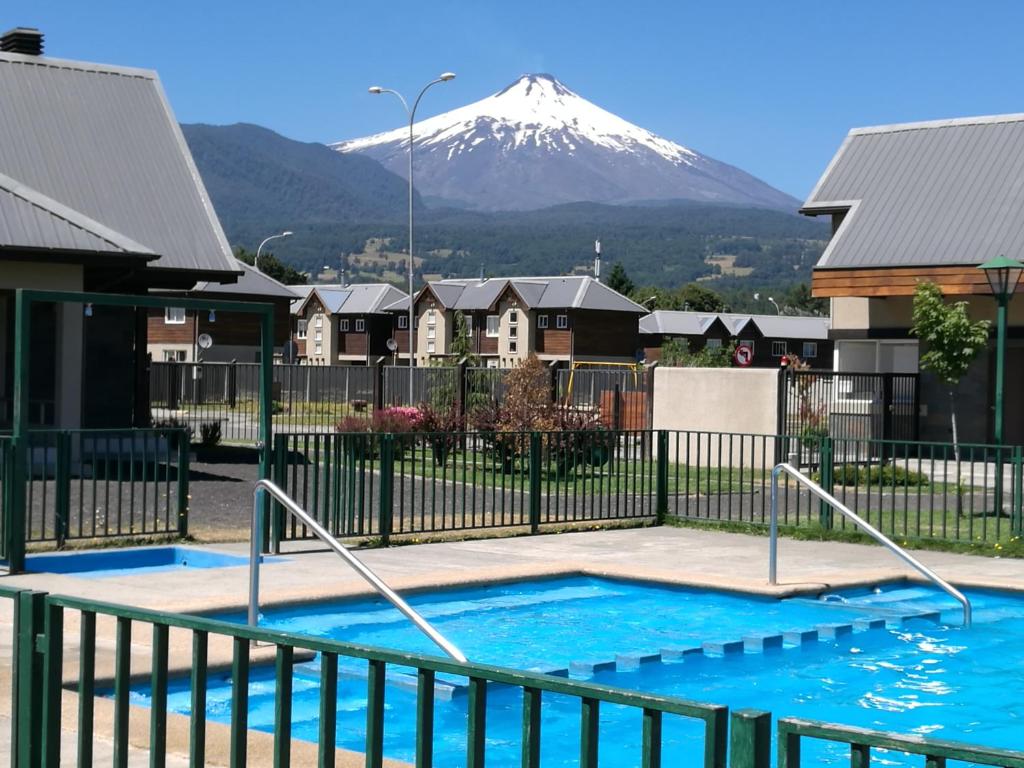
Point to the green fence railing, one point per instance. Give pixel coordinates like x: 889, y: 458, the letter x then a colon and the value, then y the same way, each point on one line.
x: 109, y: 654
x: 106, y: 483
x: 379, y: 484
x: 6, y: 471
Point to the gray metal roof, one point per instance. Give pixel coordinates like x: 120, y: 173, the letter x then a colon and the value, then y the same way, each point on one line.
x: 28, y: 216
x: 252, y: 282
x: 569, y: 292
x: 677, y: 323
x: 102, y: 142
x: 938, y: 193
x: 356, y: 299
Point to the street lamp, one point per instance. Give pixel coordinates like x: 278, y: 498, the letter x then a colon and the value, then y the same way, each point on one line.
x: 1002, y: 274
x: 376, y: 89
x: 256, y: 261
x: 757, y: 297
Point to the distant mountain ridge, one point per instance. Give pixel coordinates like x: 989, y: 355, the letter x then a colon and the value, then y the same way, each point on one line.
x: 536, y: 143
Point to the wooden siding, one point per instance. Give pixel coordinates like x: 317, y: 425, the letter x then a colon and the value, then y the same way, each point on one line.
x: 159, y: 332
x: 898, y: 281
x: 553, y: 341
x: 605, y: 334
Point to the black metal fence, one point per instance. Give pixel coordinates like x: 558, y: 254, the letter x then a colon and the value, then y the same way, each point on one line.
x: 849, y: 406
x: 385, y: 484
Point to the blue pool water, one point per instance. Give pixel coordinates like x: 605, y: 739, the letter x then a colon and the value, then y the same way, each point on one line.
x: 130, y: 562
x: 920, y: 673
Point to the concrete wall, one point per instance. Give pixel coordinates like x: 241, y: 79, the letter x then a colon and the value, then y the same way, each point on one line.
x: 718, y: 400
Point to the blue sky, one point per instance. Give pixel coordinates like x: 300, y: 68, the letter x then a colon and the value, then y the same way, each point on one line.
x: 771, y: 87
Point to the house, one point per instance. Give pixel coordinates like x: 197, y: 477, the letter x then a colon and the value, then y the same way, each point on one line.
x: 770, y: 337
x: 98, y: 192
x: 173, y: 334
x: 344, y: 325
x: 923, y: 201
x: 558, y: 319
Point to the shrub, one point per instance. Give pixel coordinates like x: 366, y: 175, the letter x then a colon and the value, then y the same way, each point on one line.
x: 888, y: 474
x: 209, y: 433
x: 173, y: 423
x: 443, y: 428
x: 397, y: 419
x: 527, y: 406
x: 582, y: 438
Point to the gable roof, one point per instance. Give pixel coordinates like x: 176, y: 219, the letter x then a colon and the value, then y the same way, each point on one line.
x: 102, y: 142
x: 941, y: 193
x: 568, y: 292
x: 679, y: 323
x: 251, y: 283
x: 356, y: 299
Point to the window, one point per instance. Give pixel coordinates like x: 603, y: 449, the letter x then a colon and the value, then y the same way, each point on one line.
x: 343, y: 325
x: 318, y: 336
x: 713, y: 344
x: 430, y: 347
x: 561, y: 321
x: 318, y: 321
x: 810, y: 350
x: 513, y: 331
x: 469, y: 324
x: 513, y: 317
x: 360, y: 326
x: 492, y: 362
x: 174, y: 316
x: 300, y: 329
x: 513, y: 346
x: 431, y: 316
x: 492, y: 326
x: 431, y: 332
x: 403, y: 322
x: 318, y: 350
x: 542, y: 321
x: 778, y: 348
x: 174, y: 355
x: 747, y: 343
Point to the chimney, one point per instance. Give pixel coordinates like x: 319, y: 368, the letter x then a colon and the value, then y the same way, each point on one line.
x: 24, y: 40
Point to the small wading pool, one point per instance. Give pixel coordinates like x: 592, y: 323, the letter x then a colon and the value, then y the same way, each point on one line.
x: 893, y: 658
x: 132, y: 562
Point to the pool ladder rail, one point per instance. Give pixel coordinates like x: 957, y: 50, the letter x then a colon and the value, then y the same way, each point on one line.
x: 790, y: 469
x: 256, y: 556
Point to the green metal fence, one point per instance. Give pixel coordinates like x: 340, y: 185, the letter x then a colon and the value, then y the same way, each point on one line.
x: 45, y: 651
x: 367, y: 484
x: 101, y: 483
x: 6, y: 470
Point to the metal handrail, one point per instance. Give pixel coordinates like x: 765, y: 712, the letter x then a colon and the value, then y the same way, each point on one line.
x: 865, y: 526
x: 256, y: 557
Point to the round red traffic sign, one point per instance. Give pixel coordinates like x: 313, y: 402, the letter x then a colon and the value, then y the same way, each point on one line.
x: 743, y: 356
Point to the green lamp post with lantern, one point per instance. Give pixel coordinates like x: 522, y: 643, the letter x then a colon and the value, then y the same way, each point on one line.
x: 1003, y: 274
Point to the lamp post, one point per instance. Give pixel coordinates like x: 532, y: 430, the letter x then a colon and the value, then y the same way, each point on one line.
x: 757, y: 297
x: 376, y: 89
x: 256, y: 261
x: 1002, y: 274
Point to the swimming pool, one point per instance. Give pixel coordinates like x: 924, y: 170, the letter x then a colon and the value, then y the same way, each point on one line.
x: 109, y: 563
x: 893, y: 658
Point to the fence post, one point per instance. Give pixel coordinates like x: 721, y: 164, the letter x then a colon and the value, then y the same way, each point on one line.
x: 461, y: 385
x: 535, y: 469
x: 617, y: 408
x: 662, y: 479
x: 378, y: 385
x: 781, y: 416
x: 1017, y: 511
x: 279, y: 471
x: 62, y: 490
x: 750, y: 739
x: 183, y: 472
x: 827, y: 481
x: 173, y: 374
x: 232, y: 383
x: 387, y: 480
x: 28, y: 679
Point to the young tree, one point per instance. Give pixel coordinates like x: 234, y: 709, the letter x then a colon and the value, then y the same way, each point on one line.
x: 951, y: 341
x: 619, y: 281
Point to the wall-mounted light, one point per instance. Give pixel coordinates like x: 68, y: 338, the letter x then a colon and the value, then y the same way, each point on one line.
x: 213, y: 316
x: 88, y: 310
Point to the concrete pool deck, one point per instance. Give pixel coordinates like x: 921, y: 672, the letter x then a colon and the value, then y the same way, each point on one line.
x: 675, y: 555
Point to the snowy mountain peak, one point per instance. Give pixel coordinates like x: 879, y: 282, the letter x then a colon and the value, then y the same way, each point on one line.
x: 536, y: 142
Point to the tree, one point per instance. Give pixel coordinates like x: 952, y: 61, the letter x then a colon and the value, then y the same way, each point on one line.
x: 697, y: 298
x: 462, y: 340
x: 799, y: 300
x: 951, y: 341
x: 619, y: 281
x: 676, y: 353
x: 271, y: 266
x: 653, y: 298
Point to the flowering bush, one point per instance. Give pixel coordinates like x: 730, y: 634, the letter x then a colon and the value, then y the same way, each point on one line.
x: 397, y: 419
x: 443, y: 428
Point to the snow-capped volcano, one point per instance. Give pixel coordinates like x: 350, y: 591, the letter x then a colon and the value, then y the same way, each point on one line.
x: 536, y: 143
